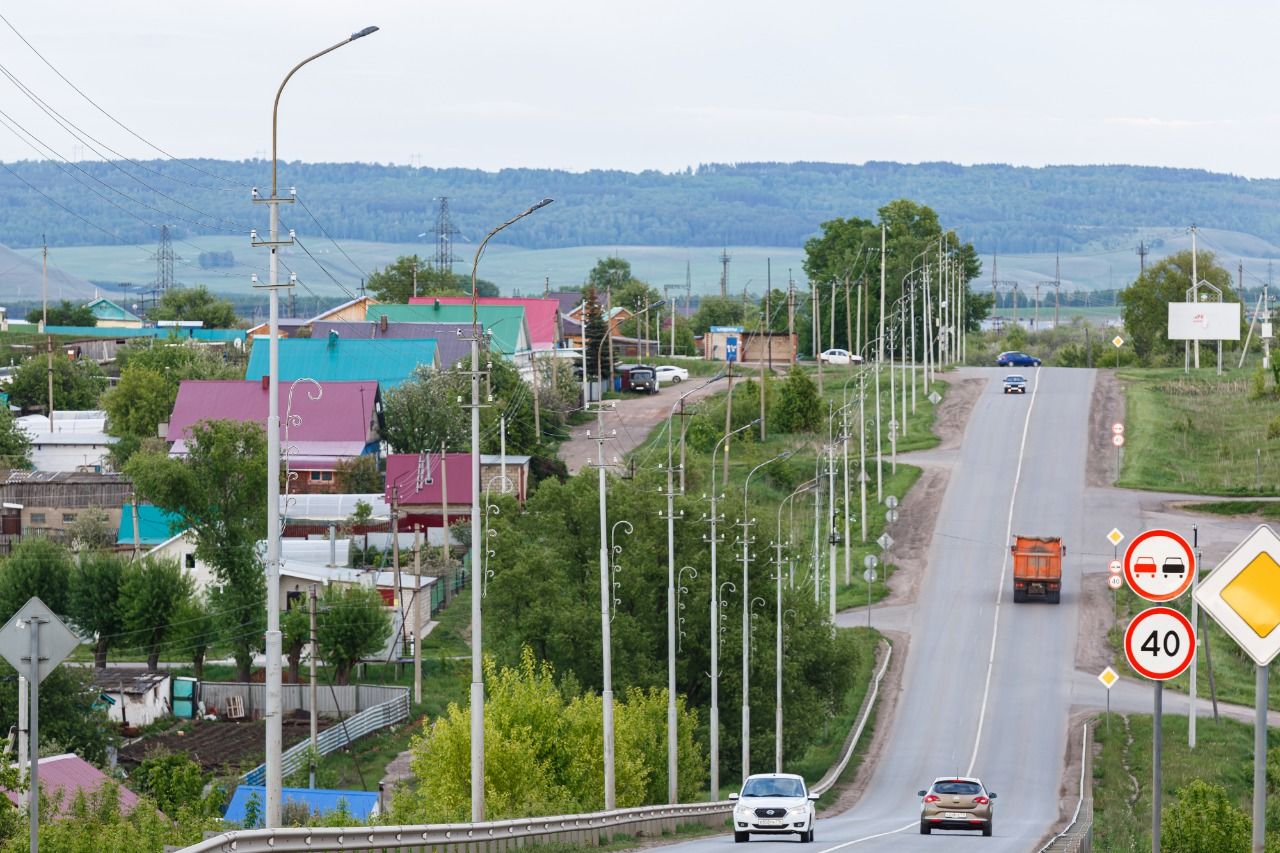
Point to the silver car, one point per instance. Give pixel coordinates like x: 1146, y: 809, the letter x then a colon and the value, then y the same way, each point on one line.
x: 773, y: 804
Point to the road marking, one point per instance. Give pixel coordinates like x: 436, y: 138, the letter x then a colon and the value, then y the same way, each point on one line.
x: 1004, y: 566
x: 871, y: 837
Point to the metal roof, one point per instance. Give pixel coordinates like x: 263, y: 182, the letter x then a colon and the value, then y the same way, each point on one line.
x: 328, y: 359
x: 506, y: 323
x: 342, y: 412
x: 541, y: 315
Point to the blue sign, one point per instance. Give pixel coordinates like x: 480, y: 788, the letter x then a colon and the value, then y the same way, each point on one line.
x: 730, y: 349
x: 729, y: 329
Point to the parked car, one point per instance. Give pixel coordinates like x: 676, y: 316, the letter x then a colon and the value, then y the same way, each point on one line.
x: 643, y: 378
x: 773, y: 804
x: 839, y: 356
x: 1015, y: 384
x: 1016, y: 359
x: 671, y: 373
x: 956, y: 802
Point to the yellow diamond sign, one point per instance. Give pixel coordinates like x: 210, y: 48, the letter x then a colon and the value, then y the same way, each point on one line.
x: 1117, y: 342
x: 1108, y: 677
x: 1243, y: 594
x: 1115, y: 536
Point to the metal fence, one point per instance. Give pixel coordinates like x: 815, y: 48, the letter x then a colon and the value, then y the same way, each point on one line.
x: 1078, y: 836
x: 331, y: 700
x: 369, y: 720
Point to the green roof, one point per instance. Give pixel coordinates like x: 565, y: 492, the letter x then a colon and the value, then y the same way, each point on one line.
x: 154, y: 525
x: 505, y: 322
x: 104, y: 309
x: 335, y: 359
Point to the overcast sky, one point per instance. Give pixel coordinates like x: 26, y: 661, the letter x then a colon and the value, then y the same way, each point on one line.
x: 583, y: 84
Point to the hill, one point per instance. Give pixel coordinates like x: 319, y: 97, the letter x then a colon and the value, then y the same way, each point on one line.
x: 20, y: 281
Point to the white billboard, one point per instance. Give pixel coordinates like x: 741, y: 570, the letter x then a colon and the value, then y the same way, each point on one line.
x: 1204, y: 321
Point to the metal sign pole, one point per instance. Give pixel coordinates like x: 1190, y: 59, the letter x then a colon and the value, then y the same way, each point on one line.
x: 33, y: 740
x: 1195, y: 620
x: 1259, y: 761
x: 1156, y: 750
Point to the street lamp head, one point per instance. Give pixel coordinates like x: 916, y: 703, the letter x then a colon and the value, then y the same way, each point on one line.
x: 367, y: 31
x: 543, y: 203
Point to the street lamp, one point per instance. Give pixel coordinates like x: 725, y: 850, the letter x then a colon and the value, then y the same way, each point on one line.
x: 477, y: 671
x: 272, y: 678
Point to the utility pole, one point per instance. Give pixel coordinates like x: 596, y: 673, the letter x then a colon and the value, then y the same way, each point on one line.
x: 817, y: 334
x: 44, y: 288
x: 417, y: 614
x: 728, y: 419
x: 791, y: 315
x: 395, y: 555
x: 315, y: 723
x: 1143, y: 251
x: 672, y: 747
x: 444, y: 508
x: 606, y: 596
x: 724, y: 272
x: 831, y: 532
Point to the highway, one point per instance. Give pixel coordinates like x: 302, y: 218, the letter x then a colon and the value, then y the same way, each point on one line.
x: 987, y: 687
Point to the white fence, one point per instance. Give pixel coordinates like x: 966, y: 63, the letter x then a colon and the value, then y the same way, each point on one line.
x: 336, y: 700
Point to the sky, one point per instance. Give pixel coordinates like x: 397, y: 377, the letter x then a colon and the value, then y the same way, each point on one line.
x: 586, y: 84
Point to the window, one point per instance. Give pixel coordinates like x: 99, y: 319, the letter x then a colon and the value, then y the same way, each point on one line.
x: 191, y: 561
x: 321, y: 476
x: 37, y: 518
x: 68, y: 517
x: 958, y: 787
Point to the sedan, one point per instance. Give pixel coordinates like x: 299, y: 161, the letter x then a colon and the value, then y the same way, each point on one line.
x: 1016, y: 359
x: 671, y: 373
x: 956, y: 802
x: 839, y: 356
x: 773, y: 804
x: 1015, y: 384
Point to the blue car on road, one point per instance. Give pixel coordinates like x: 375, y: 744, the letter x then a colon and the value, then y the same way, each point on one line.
x: 1016, y: 359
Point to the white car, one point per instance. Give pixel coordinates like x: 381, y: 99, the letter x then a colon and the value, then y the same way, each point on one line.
x: 839, y: 356
x: 671, y: 373
x: 773, y: 804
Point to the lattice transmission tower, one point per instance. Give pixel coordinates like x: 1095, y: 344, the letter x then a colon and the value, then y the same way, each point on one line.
x: 445, y: 230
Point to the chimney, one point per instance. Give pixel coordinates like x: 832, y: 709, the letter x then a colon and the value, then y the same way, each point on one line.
x: 382, y: 324
x: 265, y: 382
x: 333, y: 339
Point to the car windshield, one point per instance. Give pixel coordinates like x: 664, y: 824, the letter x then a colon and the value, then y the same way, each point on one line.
x: 773, y: 788
x: 964, y: 788
x: 1014, y: 379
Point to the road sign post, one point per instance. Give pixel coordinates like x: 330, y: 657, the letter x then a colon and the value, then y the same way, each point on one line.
x: 869, y: 575
x: 1108, y: 677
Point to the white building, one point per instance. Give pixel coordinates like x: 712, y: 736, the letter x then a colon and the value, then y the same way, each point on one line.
x: 77, y: 442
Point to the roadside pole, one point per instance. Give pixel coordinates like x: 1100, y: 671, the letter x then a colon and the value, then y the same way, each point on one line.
x: 33, y: 740
x: 1259, y: 760
x: 1156, y: 750
x: 1195, y: 620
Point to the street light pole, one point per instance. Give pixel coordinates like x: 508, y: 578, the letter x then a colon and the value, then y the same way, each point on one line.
x: 273, y: 676
x: 477, y: 666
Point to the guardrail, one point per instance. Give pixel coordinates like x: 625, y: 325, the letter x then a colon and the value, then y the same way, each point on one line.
x: 335, y: 737
x: 587, y: 829
x: 1077, y: 837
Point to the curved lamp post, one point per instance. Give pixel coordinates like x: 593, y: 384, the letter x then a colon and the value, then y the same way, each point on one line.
x: 273, y: 676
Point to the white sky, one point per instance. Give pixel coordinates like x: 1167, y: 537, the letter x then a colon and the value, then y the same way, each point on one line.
x: 581, y: 84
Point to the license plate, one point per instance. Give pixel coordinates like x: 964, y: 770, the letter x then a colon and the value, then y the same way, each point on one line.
x: 769, y: 822
x: 956, y: 816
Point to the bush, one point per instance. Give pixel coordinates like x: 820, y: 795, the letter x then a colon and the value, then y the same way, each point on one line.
x: 1202, y: 819
x: 798, y: 409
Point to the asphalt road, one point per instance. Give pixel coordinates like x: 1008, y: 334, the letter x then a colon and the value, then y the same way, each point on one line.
x: 988, y: 686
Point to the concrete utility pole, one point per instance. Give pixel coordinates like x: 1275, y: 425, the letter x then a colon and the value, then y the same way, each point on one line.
x: 417, y: 613
x: 606, y: 596
x: 791, y: 315
x: 44, y: 287
x: 273, y: 676
x: 315, y: 723
x: 817, y: 334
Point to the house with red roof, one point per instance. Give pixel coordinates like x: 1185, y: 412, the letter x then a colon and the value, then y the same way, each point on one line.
x: 541, y: 315
x: 432, y: 494
x: 62, y: 777
x: 332, y: 423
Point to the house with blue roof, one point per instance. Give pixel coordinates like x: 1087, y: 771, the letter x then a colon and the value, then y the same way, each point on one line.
x: 361, y: 805
x: 337, y: 359
x: 113, y: 316
x: 155, y: 526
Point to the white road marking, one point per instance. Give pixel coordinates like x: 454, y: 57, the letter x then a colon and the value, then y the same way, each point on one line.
x: 870, y: 837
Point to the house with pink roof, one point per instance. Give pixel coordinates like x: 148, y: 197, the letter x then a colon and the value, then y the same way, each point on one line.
x: 541, y: 315
x: 64, y: 776
x: 432, y: 494
x: 337, y: 422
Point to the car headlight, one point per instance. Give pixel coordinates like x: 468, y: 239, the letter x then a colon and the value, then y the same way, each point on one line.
x: 799, y: 811
x: 743, y: 811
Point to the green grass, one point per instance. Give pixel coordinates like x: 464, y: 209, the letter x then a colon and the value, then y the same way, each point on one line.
x: 1266, y: 509
x: 1200, y: 434
x: 1223, y: 756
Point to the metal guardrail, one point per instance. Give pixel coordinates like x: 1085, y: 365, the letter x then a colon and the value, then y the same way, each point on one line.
x: 580, y: 829
x: 335, y: 737
x: 1077, y: 837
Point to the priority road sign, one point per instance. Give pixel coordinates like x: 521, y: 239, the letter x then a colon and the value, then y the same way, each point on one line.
x: 1115, y: 567
x: 1243, y: 594
x: 935, y: 397
x: 885, y: 541
x: 1159, y: 565
x: 1117, y: 428
x: 1160, y: 643
x: 56, y: 639
x: 1115, y: 581
x: 1117, y: 342
x: 1108, y: 677
x: 1115, y: 536
x: 1118, y: 439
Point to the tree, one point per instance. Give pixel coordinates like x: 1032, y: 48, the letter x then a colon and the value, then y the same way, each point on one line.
x: 596, y: 336
x: 65, y: 314
x: 195, y: 303
x: 359, y: 476
x: 1146, y: 303
x: 352, y: 624
x: 396, y: 282
x: 360, y: 518
x: 152, y: 592
x: 216, y: 492
x: 609, y: 274
x: 195, y: 629
x: 68, y: 718
x: 295, y: 628
x: 174, y: 781
x: 422, y: 414
x: 77, y: 384
x: 717, y: 311
x: 140, y: 402
x: 92, y: 530
x: 15, y: 447
x: 798, y: 409
x: 36, y: 566
x: 93, y: 601
x: 1202, y: 819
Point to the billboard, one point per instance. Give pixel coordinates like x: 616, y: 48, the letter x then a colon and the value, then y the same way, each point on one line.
x: 1204, y: 321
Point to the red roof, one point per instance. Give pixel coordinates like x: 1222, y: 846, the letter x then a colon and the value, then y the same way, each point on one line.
x: 70, y: 774
x: 402, y: 472
x: 343, y: 411
x: 540, y: 314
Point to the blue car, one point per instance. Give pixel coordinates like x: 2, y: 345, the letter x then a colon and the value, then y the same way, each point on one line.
x: 1016, y: 359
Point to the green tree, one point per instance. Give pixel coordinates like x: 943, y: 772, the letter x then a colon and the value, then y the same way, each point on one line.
x: 609, y: 274
x: 77, y: 385
x: 798, y: 409
x: 142, y: 399
x: 423, y: 413
x: 359, y: 476
x: 15, y: 447
x: 173, y: 780
x: 195, y: 303
x: 37, y: 566
x: 64, y: 314
x: 717, y: 311
x: 352, y: 624
x: 596, y: 336
x: 1145, y: 303
x: 195, y: 629
x: 152, y: 592
x: 94, y: 822
x: 68, y: 719
x: 93, y: 601
x: 92, y: 530
x: 1202, y: 819
x: 396, y: 282
x: 295, y: 628
x: 216, y: 492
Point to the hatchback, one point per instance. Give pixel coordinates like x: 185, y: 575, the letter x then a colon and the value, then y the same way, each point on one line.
x: 1016, y: 359
x: 956, y: 802
x: 773, y: 804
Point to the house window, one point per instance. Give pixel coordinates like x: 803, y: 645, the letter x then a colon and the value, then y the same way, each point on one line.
x: 37, y: 518
x: 321, y: 476
x: 191, y: 561
x: 68, y: 517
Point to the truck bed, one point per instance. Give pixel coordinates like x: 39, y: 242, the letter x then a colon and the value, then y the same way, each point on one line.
x: 1037, y: 568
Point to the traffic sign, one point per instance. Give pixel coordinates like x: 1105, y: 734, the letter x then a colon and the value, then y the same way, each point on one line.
x: 1118, y: 440
x: 1115, y: 567
x: 1243, y: 594
x: 56, y: 639
x: 870, y: 561
x: 1115, y: 536
x: 1108, y: 677
x: 891, y: 515
x: 885, y: 541
x: 1117, y: 342
x: 1117, y: 428
x: 891, y: 502
x: 1115, y: 581
x: 934, y: 397
x: 863, y: 478
x: 1159, y: 565
x: 869, y: 576
x: 1160, y: 643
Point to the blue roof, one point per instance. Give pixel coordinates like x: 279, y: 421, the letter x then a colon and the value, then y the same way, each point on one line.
x: 361, y: 805
x: 159, y: 332
x: 104, y: 309
x: 154, y: 525
x: 390, y: 362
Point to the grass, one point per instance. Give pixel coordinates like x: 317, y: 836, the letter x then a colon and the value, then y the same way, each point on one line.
x: 1266, y: 509
x: 1201, y: 434
x: 1122, y: 816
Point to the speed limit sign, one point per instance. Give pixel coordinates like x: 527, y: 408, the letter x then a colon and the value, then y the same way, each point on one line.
x: 1160, y: 643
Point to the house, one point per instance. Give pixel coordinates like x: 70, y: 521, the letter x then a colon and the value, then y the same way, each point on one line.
x: 62, y: 777
x: 362, y: 805
x: 333, y: 359
x: 133, y: 697
x: 113, y: 316
x: 77, y: 441
x: 453, y: 342
x: 340, y: 423
x: 417, y: 483
x: 48, y: 502
x: 506, y: 323
x: 542, y: 316
x: 153, y: 526
x: 351, y: 311
x: 778, y: 347
x: 623, y: 345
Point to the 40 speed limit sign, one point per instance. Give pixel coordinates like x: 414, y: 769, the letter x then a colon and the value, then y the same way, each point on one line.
x: 1160, y: 643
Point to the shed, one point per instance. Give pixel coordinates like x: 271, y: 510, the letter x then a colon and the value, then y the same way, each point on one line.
x: 134, y: 697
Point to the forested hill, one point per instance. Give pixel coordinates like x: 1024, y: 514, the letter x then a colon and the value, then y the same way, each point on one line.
x: 1012, y: 209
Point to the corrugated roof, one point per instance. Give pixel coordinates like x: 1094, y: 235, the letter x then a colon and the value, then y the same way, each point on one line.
x: 359, y: 804
x: 388, y: 362
x: 402, y: 471
x: 131, y: 681
x: 154, y: 525
x: 507, y: 323
x: 71, y: 774
x: 342, y: 413
x: 540, y: 315
x: 451, y: 346
x: 160, y: 333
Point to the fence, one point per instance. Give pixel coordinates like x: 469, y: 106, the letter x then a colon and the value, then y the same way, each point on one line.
x: 331, y: 700
x: 369, y: 720
x: 500, y: 835
x: 1078, y: 836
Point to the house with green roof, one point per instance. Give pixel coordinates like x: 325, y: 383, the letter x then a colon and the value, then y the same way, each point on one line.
x: 113, y: 316
x: 336, y: 359
x: 506, y: 323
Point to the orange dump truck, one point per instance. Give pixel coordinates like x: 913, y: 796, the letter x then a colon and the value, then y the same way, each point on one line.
x: 1037, y: 568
